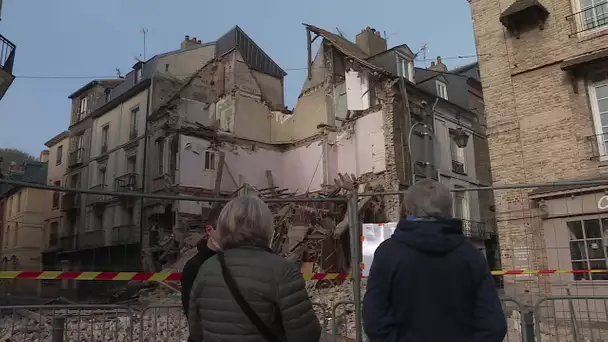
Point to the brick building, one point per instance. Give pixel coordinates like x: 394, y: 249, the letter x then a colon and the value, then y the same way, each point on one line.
x: 543, y: 70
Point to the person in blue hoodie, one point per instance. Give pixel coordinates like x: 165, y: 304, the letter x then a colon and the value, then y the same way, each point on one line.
x: 427, y: 283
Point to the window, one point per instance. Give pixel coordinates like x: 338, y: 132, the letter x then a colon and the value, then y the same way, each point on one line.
x: 137, y: 74
x: 404, y: 68
x: 458, y: 157
x: 166, y: 67
x: 82, y: 107
x: 131, y: 164
x: 461, y: 205
x: 56, y: 195
x: 104, y: 138
x: 442, y: 90
x: 18, y: 203
x: 102, y: 177
x: 588, y: 247
x: 209, y: 160
x: 106, y: 95
x: 598, y: 95
x: 160, y: 152
x: 594, y: 14
x: 133, y: 123
x: 59, y: 155
x: 53, y: 234
x: 16, y: 234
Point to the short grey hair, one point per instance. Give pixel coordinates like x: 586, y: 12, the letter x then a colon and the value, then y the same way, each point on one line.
x: 246, y: 220
x: 427, y: 198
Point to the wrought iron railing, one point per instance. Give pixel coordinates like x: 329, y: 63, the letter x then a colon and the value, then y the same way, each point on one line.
x: 588, y: 19
x: 76, y: 157
x: 70, y: 201
x: 99, y: 199
x: 127, y: 182
x: 124, y: 234
x: 457, y: 167
x: 133, y: 133
x: 474, y: 229
x: 7, y: 54
x: 93, y: 238
x: 104, y: 148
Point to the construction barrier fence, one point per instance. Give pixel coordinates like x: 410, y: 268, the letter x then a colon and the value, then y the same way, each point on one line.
x: 540, y: 246
x: 576, y: 321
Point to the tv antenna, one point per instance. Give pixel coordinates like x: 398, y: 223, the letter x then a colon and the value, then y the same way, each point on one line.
x: 118, y: 73
x: 340, y: 33
x: 144, y: 31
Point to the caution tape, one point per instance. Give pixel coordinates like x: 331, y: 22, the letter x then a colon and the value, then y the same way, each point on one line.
x: 174, y: 276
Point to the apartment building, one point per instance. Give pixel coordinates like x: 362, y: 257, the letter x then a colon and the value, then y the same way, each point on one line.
x: 24, y: 217
x: 544, y: 77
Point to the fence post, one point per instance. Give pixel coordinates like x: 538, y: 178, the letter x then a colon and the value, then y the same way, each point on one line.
x: 355, y: 234
x: 527, y: 324
x: 58, y: 329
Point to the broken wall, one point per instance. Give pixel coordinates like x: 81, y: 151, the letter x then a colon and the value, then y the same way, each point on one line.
x: 361, y: 146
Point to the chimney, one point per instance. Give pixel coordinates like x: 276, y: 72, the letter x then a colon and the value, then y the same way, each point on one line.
x: 370, y: 41
x: 189, y: 42
x: 439, y: 66
x: 44, y: 156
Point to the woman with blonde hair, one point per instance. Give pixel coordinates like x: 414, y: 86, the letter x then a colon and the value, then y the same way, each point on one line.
x: 246, y: 293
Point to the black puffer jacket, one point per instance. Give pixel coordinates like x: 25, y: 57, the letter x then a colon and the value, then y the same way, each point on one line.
x: 272, y: 286
x: 191, y: 269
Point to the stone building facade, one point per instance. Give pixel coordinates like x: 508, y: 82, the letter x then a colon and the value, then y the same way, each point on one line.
x: 542, y: 66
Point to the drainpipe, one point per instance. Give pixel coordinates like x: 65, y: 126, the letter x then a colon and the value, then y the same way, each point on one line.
x: 144, y: 168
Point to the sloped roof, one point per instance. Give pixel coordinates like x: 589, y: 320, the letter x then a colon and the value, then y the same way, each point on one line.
x: 464, y: 68
x: 34, y: 172
x: 253, y: 55
x: 345, y: 46
x: 109, y: 83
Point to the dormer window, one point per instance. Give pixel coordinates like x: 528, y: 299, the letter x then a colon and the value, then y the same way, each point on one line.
x: 137, y: 68
x: 405, y: 68
x: 137, y: 75
x: 106, y: 94
x: 442, y: 89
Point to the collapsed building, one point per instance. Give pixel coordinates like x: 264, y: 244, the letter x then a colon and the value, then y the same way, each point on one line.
x: 210, y: 120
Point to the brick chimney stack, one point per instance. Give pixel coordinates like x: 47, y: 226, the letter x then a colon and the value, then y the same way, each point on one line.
x: 370, y: 41
x: 439, y: 66
x: 190, y: 42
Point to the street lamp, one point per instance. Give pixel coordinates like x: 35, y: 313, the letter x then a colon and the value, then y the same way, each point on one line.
x: 460, y: 138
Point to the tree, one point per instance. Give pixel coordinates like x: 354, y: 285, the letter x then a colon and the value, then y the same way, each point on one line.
x: 9, y: 155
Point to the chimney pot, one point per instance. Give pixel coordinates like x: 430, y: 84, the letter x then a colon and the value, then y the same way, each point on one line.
x: 194, y: 39
x: 438, y: 59
x: 378, y: 33
x: 187, y: 37
x: 432, y: 64
x: 368, y: 28
x: 199, y: 41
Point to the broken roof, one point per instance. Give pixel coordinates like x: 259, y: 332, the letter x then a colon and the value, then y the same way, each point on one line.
x: 345, y: 46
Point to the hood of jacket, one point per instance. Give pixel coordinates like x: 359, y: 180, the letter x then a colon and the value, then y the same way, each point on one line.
x: 430, y: 236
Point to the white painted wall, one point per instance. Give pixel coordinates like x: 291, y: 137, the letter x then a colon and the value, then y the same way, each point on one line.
x: 362, y: 150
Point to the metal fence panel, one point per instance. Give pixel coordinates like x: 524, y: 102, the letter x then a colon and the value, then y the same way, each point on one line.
x: 161, y: 323
x: 571, y: 318
x: 59, y: 323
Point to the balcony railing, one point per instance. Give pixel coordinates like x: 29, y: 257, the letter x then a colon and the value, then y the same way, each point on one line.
x: 474, y: 229
x: 76, y: 157
x: 7, y: 54
x: 99, y: 199
x: 458, y: 167
x: 125, y: 234
x: 599, y: 145
x: 70, y: 201
x: 93, y: 238
x: 588, y: 19
x: 78, y: 115
x: 133, y: 133
x: 104, y: 148
x: 68, y: 242
x: 128, y: 182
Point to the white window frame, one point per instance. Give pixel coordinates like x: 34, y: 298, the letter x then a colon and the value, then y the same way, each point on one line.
x: 210, y: 161
x: 404, y: 64
x: 137, y: 76
x: 603, y: 239
x: 577, y: 8
x: 83, y: 106
x: 465, y: 213
x: 442, y: 89
x: 597, y: 122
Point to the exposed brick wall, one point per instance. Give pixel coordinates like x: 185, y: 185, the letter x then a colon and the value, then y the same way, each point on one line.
x: 536, y: 123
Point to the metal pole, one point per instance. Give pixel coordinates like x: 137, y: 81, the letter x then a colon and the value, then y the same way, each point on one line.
x: 58, y: 326
x: 355, y: 250
x: 164, y: 197
x: 427, y: 161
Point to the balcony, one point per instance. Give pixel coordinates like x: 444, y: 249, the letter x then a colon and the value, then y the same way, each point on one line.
x: 474, y: 229
x: 104, y: 148
x: 589, y: 19
x: 76, y: 157
x: 68, y: 242
x: 458, y: 167
x: 127, y: 182
x: 99, y: 199
x: 70, y: 201
x: 95, y: 238
x: 7, y: 59
x: 125, y: 234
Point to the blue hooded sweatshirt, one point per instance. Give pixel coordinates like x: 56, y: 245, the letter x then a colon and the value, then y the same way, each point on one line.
x: 428, y: 284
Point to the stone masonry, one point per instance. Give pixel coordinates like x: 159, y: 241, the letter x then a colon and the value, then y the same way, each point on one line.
x: 538, y: 126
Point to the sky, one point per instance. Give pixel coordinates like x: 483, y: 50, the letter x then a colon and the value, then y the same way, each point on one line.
x: 63, y: 44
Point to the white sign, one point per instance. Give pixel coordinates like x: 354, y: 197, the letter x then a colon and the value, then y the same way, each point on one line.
x: 373, y: 235
x: 602, y: 204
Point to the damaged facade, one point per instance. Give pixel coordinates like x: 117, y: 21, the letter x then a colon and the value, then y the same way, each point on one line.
x: 210, y: 120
